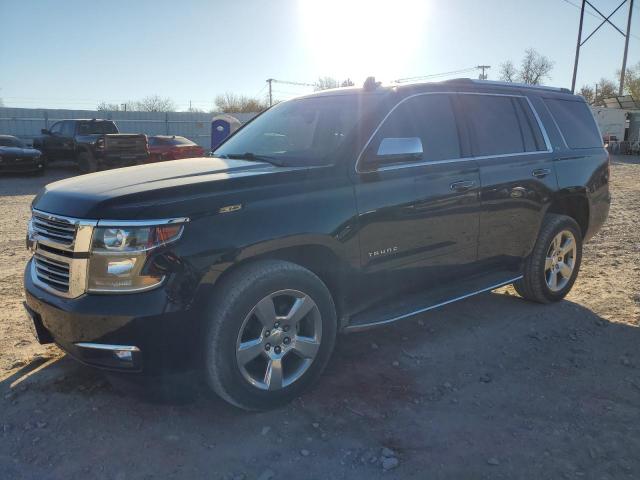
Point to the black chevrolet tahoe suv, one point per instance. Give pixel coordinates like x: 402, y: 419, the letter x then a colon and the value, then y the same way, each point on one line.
x: 334, y: 212
x: 92, y: 144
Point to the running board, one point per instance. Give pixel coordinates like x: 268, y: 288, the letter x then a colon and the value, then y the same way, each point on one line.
x: 419, y: 303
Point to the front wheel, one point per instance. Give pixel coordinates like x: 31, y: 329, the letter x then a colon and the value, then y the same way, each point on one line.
x: 86, y: 163
x: 552, y: 267
x: 271, y: 330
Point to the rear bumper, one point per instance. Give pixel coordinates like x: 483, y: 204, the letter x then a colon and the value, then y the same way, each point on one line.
x: 117, y: 159
x: 99, y: 330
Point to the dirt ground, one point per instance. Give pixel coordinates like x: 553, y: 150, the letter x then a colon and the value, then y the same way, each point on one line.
x: 492, y: 387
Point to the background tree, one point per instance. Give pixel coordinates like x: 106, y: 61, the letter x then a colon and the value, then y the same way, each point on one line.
x: 325, y: 83
x: 232, y: 103
x: 108, y: 107
x: 153, y: 103
x: 588, y: 93
x: 606, y: 89
x: 508, y: 72
x: 347, y: 83
x: 534, y: 69
x: 632, y: 81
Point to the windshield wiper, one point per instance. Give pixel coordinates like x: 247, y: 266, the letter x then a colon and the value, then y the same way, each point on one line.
x: 252, y: 157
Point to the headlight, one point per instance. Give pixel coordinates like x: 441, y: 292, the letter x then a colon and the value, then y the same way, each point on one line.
x: 118, y: 261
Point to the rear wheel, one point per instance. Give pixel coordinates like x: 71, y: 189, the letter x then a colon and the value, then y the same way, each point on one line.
x: 86, y: 163
x: 271, y: 330
x: 551, y: 269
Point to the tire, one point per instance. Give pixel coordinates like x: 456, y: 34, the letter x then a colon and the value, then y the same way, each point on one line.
x: 243, y: 343
x: 86, y: 163
x: 552, y: 258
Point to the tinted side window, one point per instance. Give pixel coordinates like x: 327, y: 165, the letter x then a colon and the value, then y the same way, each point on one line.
x: 494, y: 124
x: 56, y: 128
x: 68, y: 128
x: 428, y: 117
x: 531, y: 133
x: 576, y: 123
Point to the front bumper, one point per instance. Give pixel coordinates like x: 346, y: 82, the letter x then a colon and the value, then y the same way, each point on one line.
x: 94, y: 328
x: 23, y: 165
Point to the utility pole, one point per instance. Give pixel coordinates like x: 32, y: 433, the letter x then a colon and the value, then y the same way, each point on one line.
x: 606, y: 19
x: 269, y: 81
x: 578, y: 44
x: 483, y: 76
x: 626, y: 49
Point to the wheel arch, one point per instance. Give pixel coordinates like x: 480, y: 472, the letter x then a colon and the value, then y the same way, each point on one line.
x: 319, y: 258
x: 574, y: 204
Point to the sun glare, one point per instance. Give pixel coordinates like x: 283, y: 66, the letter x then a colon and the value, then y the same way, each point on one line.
x: 358, y: 38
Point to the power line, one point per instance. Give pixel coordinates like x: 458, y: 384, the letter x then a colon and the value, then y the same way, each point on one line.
x: 595, y: 15
x: 435, y: 75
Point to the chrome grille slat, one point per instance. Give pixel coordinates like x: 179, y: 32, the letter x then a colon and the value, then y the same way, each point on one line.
x: 54, y: 274
x: 60, y: 246
x: 54, y: 229
x: 41, y: 266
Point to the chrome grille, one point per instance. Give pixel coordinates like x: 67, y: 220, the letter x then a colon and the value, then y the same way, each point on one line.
x: 51, y: 272
x: 54, y: 229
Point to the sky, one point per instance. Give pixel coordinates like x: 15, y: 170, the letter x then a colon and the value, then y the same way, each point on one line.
x: 75, y: 54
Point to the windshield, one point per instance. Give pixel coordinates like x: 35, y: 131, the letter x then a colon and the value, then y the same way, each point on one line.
x: 89, y: 128
x: 306, y: 131
x: 10, y: 142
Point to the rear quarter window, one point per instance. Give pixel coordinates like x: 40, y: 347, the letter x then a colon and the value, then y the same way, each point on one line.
x: 576, y: 123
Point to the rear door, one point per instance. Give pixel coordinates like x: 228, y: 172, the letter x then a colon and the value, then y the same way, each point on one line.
x: 516, y: 173
x: 418, y: 214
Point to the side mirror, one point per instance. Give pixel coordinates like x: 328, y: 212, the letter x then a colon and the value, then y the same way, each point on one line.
x: 45, y: 131
x: 396, y: 150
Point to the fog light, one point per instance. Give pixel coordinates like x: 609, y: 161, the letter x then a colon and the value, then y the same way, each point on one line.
x: 121, y: 267
x: 124, y: 355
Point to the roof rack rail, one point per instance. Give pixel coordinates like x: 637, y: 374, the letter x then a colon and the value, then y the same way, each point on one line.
x: 508, y: 84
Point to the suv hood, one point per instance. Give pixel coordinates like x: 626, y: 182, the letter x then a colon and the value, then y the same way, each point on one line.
x: 159, y: 190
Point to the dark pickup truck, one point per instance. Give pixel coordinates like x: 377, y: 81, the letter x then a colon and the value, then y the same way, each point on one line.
x: 335, y: 212
x: 93, y: 144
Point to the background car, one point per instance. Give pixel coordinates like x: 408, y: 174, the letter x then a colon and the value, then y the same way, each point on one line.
x: 16, y: 157
x: 172, y: 147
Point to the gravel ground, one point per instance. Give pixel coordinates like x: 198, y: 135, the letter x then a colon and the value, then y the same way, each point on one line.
x: 492, y: 387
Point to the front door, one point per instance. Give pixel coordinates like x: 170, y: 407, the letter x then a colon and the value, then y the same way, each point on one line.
x: 53, y: 142
x: 417, y: 198
x: 516, y: 171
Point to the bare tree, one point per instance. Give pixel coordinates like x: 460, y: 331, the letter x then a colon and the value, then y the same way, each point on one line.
x: 232, y: 103
x: 534, y: 69
x: 508, y: 72
x: 153, y: 103
x: 325, y: 83
x: 587, y: 92
x: 632, y: 81
x: 606, y: 89
x: 108, y: 107
x: 347, y: 83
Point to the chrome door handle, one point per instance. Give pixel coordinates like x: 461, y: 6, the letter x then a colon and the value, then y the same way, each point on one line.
x: 541, y: 172
x: 462, y: 185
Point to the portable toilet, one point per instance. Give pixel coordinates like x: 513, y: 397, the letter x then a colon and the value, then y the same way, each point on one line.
x: 221, y: 127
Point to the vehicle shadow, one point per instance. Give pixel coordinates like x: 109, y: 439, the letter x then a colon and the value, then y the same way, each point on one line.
x: 13, y: 184
x: 629, y: 159
x: 493, y: 382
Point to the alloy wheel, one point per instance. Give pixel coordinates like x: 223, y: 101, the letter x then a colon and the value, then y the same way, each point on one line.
x: 560, y: 260
x: 279, y: 339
